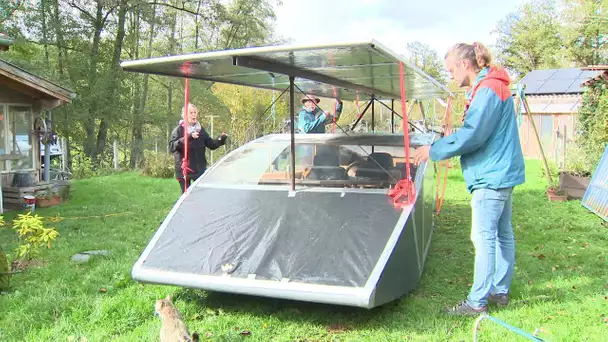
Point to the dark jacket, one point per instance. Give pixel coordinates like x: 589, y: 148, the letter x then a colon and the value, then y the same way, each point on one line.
x: 197, y: 161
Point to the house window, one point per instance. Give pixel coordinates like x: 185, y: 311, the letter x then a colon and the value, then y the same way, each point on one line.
x: 546, y: 128
x: 16, y: 148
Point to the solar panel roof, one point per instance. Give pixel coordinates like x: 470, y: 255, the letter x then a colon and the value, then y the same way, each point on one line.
x: 366, y: 68
x: 556, y: 81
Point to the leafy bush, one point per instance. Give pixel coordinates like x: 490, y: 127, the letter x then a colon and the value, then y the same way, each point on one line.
x: 32, y: 235
x: 158, y: 165
x: 592, y: 124
x: 83, y: 167
x: 578, y: 162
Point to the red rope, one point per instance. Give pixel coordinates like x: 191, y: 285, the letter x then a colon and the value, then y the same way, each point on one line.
x: 404, y: 187
x: 185, y: 167
x: 445, y: 164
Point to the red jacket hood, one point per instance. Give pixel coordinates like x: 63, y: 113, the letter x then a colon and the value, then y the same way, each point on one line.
x: 499, y: 74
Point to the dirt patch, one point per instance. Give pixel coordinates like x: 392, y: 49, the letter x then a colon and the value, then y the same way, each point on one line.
x: 22, y: 265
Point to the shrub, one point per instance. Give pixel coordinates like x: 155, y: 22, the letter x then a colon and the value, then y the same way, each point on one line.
x: 158, y: 165
x: 592, y: 124
x: 32, y: 235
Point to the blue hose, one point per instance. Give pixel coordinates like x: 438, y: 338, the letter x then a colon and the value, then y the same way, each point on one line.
x: 509, y: 327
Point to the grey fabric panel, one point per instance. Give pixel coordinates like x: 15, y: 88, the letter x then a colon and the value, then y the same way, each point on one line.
x: 314, y: 237
x: 402, y: 273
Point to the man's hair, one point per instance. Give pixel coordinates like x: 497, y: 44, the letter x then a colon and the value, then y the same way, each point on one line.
x: 476, y: 53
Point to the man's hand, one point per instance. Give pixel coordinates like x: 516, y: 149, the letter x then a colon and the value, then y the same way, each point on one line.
x: 194, y: 135
x: 223, y: 136
x: 422, y: 154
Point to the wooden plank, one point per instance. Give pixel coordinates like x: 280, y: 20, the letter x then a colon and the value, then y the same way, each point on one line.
x: 13, y: 201
x: 27, y: 188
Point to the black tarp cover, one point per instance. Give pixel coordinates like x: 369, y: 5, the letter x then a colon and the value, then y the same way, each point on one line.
x: 329, y: 238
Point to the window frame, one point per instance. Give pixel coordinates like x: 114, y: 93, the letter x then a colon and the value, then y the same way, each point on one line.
x: 8, y: 164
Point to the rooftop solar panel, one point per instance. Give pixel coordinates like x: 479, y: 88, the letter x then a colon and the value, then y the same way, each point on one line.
x: 556, y: 81
x: 566, y: 74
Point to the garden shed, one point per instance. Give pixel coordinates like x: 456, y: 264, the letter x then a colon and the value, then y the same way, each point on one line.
x: 554, y: 97
x: 24, y: 97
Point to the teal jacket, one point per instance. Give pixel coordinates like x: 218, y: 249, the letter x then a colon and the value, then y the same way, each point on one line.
x: 309, y: 122
x: 488, y: 142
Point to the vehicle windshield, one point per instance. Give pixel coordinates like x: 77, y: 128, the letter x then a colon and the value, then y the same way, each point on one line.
x: 316, y: 164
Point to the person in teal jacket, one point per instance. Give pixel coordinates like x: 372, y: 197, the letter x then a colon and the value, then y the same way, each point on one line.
x: 312, y: 119
x: 492, y: 164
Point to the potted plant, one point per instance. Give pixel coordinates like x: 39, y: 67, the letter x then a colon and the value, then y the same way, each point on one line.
x: 575, y: 177
x: 47, y: 198
x: 555, y: 193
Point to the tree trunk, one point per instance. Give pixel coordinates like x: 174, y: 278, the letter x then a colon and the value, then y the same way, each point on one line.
x: 136, y: 130
x: 102, y: 135
x: 137, y: 153
x: 169, y: 123
x: 197, y: 26
x: 45, y: 36
x: 89, y: 122
x: 59, y: 38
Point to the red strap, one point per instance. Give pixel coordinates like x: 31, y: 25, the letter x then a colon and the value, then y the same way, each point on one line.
x: 404, y: 187
x: 185, y: 167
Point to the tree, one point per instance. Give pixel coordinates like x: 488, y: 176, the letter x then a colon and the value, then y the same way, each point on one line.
x: 586, y: 31
x: 426, y: 58
x: 529, y: 39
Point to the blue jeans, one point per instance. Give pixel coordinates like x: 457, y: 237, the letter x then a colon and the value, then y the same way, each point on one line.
x: 492, y: 236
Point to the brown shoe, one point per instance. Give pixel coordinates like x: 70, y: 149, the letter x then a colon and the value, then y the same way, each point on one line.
x: 500, y: 299
x: 464, y: 309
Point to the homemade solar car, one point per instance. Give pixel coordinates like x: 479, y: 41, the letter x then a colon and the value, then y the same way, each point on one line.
x: 302, y: 216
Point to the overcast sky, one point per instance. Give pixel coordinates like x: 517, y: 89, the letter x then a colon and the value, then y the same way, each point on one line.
x: 438, y: 23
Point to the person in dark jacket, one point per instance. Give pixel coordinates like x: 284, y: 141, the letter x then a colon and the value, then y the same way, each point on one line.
x: 198, y: 141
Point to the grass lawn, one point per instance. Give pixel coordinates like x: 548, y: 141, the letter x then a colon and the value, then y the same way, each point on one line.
x: 559, y: 290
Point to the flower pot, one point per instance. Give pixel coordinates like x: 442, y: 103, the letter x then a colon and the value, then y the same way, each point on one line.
x: 574, y: 186
x: 48, y: 202
x: 553, y: 196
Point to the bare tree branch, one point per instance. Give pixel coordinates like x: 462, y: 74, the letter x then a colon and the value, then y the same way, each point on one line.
x: 183, y: 8
x: 73, y: 5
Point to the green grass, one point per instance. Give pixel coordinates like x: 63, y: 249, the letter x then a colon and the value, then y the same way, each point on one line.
x: 560, y: 286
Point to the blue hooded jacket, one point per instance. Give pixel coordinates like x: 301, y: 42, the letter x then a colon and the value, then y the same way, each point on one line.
x: 488, y: 142
x: 308, y: 122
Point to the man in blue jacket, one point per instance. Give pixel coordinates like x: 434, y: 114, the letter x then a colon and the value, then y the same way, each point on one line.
x: 312, y: 119
x: 492, y: 164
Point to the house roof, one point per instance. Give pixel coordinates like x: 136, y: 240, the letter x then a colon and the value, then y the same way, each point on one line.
x: 601, y: 76
x: 557, y: 81
x: 33, y: 85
